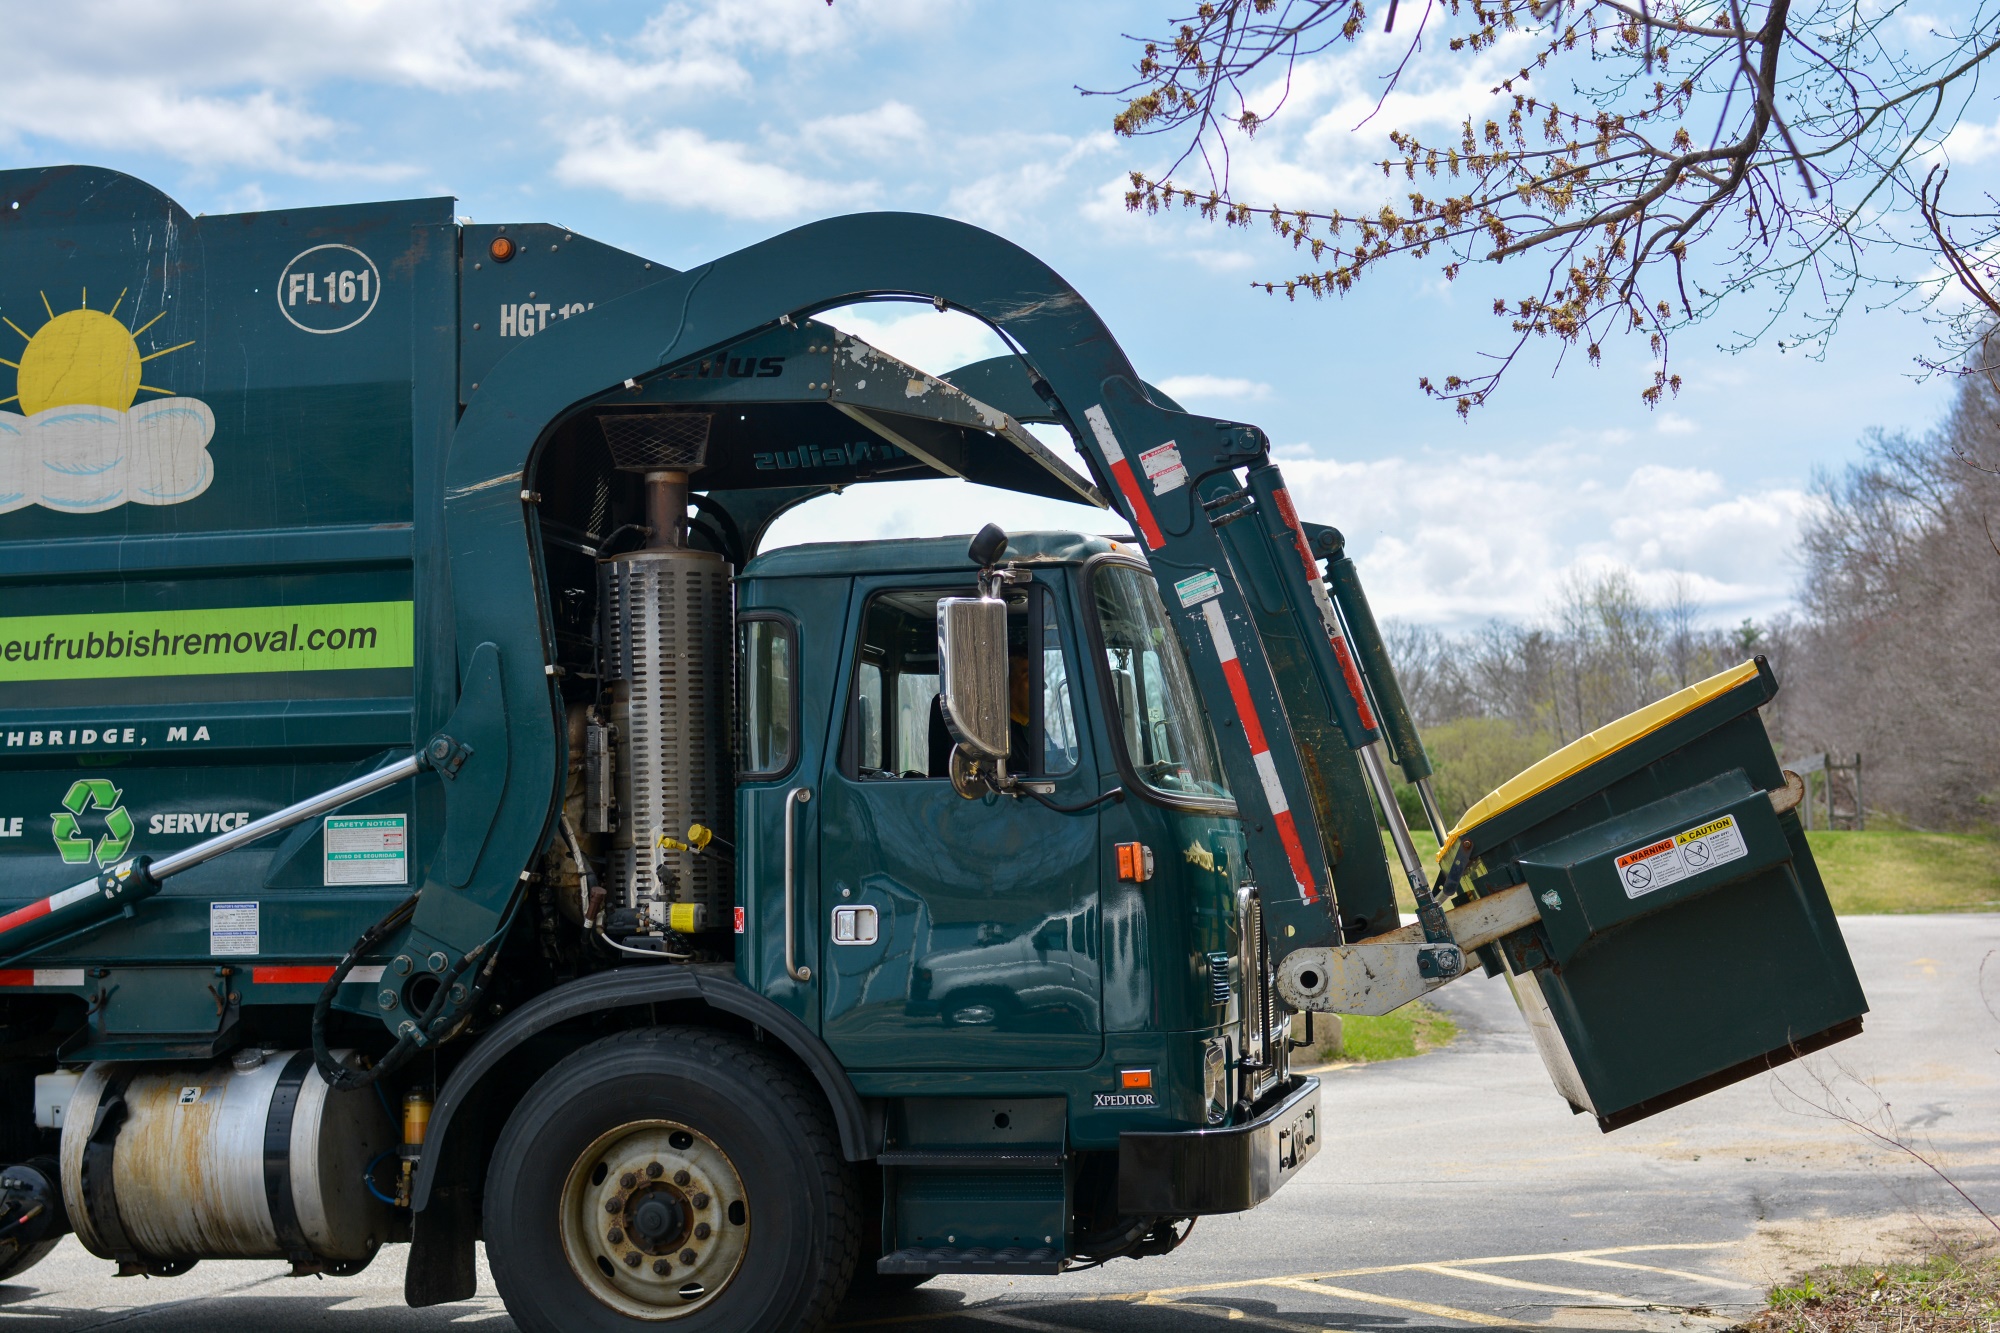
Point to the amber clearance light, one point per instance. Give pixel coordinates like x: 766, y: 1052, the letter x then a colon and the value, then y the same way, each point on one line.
x: 502, y: 249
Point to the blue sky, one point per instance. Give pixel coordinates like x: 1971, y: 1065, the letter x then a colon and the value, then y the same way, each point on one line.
x: 687, y: 130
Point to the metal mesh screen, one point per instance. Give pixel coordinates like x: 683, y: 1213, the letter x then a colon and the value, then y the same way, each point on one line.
x: 670, y: 653
x: 656, y: 441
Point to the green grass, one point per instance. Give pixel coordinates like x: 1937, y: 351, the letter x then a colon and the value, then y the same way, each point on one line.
x: 1896, y: 870
x: 1426, y: 849
x: 1879, y: 871
x: 1411, y: 1030
x: 1943, y: 1293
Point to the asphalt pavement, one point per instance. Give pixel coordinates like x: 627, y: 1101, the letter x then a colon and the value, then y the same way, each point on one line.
x: 1453, y: 1192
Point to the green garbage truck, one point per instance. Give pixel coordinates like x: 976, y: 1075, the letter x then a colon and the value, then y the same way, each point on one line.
x: 429, y: 815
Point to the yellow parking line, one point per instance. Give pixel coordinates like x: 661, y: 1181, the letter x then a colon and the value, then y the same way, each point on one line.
x: 1572, y: 1255
x: 1417, y: 1307
x: 1230, y: 1312
x: 1315, y: 1282
x: 1494, y: 1279
x: 1681, y: 1273
x: 1013, y: 1321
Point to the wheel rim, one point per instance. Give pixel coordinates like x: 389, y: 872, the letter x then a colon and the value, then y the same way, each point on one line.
x: 655, y: 1220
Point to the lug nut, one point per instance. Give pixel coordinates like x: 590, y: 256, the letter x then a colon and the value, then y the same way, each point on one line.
x: 615, y: 1204
x: 681, y: 1177
x: 628, y: 1180
x: 687, y: 1256
x: 701, y: 1231
x: 663, y: 1266
x: 700, y: 1201
x: 632, y: 1259
x: 616, y: 1235
x: 654, y: 1171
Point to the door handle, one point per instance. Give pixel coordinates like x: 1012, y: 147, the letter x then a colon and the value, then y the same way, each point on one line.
x: 797, y: 796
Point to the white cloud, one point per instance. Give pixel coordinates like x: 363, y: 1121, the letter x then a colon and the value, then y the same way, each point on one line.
x: 881, y: 511
x: 1458, y: 539
x: 232, y: 83
x: 259, y: 130
x: 1200, y: 388
x: 1000, y: 197
x: 84, y: 460
x: 888, y: 129
x: 1673, y: 423
x: 687, y: 169
x: 1221, y: 261
x: 1970, y: 142
x: 938, y: 341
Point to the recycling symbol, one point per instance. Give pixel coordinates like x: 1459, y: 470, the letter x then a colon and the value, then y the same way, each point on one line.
x: 74, y: 844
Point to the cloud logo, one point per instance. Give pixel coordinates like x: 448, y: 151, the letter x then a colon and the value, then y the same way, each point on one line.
x: 84, y: 459
x: 83, y: 447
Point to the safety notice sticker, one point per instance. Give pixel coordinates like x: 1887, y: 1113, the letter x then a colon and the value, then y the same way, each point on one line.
x: 1163, y: 468
x: 1671, y: 860
x: 1198, y: 588
x: 367, y: 849
x: 232, y: 930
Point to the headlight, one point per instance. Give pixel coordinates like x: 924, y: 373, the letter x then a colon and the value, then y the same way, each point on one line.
x: 1215, y: 1078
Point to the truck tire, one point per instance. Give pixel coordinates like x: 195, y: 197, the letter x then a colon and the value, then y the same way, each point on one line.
x: 20, y: 1261
x: 676, y: 1176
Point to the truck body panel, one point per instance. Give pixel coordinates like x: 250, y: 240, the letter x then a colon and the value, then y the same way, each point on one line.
x: 291, y: 499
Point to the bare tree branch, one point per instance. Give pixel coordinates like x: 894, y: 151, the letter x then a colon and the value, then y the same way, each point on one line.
x: 1804, y: 190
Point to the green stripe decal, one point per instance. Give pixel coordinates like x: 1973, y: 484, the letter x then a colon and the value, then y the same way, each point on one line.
x: 335, y: 636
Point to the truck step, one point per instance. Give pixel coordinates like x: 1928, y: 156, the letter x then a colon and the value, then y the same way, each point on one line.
x: 977, y: 1259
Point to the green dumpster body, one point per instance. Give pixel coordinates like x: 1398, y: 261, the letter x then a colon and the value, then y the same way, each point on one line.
x: 1686, y: 940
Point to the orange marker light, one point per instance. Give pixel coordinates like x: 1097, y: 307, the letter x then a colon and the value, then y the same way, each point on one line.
x: 1135, y: 862
x: 502, y: 249
x: 1136, y: 1078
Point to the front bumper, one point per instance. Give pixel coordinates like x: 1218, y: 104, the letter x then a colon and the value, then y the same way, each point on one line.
x: 1220, y: 1170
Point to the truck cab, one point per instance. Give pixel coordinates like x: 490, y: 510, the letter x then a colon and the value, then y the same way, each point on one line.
x: 1083, y: 925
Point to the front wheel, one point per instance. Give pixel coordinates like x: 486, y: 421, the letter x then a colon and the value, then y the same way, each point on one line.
x: 671, y: 1176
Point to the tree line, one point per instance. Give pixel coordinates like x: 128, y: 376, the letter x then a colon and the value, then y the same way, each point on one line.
x: 1892, y: 649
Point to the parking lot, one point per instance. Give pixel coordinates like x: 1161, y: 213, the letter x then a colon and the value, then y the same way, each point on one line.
x: 1453, y: 1192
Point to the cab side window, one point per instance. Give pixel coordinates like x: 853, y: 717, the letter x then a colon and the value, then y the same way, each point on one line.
x: 767, y: 707
x: 895, y: 724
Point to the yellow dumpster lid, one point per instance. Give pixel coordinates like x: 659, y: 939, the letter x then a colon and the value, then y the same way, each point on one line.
x: 1584, y: 751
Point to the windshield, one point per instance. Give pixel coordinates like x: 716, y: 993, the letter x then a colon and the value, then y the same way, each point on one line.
x: 1164, y: 728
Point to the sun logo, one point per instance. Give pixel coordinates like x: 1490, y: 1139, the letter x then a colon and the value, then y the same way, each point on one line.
x: 79, y: 445
x: 82, y: 357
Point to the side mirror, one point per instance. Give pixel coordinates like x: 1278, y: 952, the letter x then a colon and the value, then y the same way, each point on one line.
x: 972, y: 672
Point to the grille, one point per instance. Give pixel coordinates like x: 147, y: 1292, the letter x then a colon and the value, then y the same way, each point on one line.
x: 1218, y: 978
x: 656, y: 441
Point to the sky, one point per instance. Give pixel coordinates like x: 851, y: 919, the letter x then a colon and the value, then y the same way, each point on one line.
x: 687, y: 130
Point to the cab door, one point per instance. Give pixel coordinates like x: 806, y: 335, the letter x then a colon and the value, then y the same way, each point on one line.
x: 956, y: 933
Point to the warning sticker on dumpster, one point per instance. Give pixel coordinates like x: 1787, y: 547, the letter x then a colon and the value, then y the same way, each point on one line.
x: 1164, y: 468
x: 367, y: 849
x: 1671, y: 860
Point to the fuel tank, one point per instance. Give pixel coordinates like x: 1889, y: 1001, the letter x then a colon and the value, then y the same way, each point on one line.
x: 254, y: 1158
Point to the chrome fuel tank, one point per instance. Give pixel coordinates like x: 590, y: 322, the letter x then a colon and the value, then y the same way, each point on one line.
x: 250, y: 1159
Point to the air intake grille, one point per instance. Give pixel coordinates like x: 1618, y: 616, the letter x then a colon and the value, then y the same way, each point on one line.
x: 1218, y: 978
x: 656, y: 441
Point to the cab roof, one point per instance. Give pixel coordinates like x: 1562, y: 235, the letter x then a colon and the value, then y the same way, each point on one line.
x: 913, y: 554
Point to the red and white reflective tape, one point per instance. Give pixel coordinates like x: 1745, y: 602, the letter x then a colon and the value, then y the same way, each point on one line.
x: 1127, y: 479
x: 1349, y: 672
x: 1260, y: 749
x: 55, y: 902
x: 41, y: 976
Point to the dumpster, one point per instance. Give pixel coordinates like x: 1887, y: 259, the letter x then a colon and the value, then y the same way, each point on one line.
x: 1685, y: 940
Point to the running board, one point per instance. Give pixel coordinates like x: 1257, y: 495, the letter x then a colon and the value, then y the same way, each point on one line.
x: 916, y: 1260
